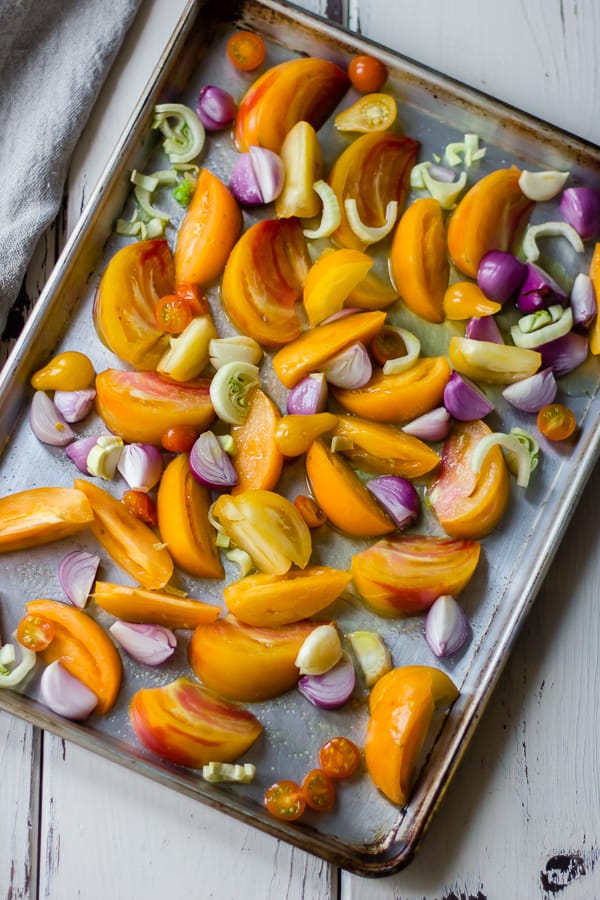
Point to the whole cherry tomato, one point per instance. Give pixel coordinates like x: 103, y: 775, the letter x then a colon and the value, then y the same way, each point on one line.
x: 35, y: 632
x: 180, y: 438
x: 318, y: 790
x: 173, y: 313
x: 246, y: 50
x: 556, y: 422
x: 339, y: 757
x: 285, y: 800
x: 367, y: 74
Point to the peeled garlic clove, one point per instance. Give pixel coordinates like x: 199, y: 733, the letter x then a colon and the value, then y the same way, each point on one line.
x: 321, y: 650
x: 542, y: 186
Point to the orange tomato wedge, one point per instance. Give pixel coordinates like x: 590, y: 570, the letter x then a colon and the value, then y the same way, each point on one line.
x: 343, y: 498
x: 83, y: 648
x: 266, y: 600
x: 469, y: 505
x: 398, y: 398
x: 401, y: 715
x: 418, y: 259
x: 138, y: 605
x: 490, y: 216
x: 258, y: 460
x: 383, y: 449
x: 331, y: 279
x: 129, y: 541
x: 40, y: 515
x: 243, y: 662
x: 209, y: 230
x: 315, y: 346
x: 182, y: 506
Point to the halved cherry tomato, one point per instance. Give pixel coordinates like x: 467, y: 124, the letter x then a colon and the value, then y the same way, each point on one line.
x: 180, y: 438
x: 285, y: 800
x: 141, y: 505
x: 35, y: 632
x: 173, y: 313
x: 318, y: 790
x: 310, y: 511
x: 371, y: 113
x: 367, y: 74
x: 339, y: 757
x: 246, y: 50
x: 556, y: 422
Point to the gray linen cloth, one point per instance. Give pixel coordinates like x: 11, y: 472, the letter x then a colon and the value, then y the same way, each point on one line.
x: 54, y: 56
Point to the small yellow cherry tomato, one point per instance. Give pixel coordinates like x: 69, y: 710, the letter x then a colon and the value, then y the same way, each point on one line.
x: 69, y: 371
x: 465, y: 299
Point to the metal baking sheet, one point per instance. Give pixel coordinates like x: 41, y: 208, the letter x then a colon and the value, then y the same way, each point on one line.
x: 365, y: 833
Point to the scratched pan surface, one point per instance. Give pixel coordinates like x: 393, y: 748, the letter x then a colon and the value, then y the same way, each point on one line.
x: 365, y: 833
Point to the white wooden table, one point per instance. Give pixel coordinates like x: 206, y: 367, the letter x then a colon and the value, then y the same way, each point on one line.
x: 521, y: 818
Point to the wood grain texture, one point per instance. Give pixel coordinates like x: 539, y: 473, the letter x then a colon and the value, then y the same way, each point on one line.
x: 19, y: 765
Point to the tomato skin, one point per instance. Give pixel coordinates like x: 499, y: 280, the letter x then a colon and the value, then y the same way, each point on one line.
x: 180, y: 438
x: 367, y: 73
x: 318, y: 790
x: 339, y: 757
x: 35, y: 632
x: 310, y: 511
x: 246, y: 50
x: 173, y: 313
x: 141, y: 505
x: 284, y: 800
x: 556, y: 422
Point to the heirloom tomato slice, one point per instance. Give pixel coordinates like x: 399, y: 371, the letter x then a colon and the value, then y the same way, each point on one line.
x: 469, y: 505
x: 40, y: 515
x: 263, y: 281
x: 187, y: 724
x: 298, y: 90
x: 124, y: 312
x: 373, y: 170
x: 143, y: 406
x: 405, y: 575
x: 247, y: 663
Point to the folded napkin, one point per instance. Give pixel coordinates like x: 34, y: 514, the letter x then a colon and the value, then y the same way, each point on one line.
x: 54, y: 56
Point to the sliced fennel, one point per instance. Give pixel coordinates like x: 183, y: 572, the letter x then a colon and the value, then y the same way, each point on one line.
x: 366, y: 233
x: 549, y: 229
x: 521, y: 454
x: 229, y: 391
x: 242, y: 773
x: 445, y: 192
x: 549, y: 331
x: 331, y: 215
x: 467, y: 151
x: 12, y: 675
x: 184, y: 140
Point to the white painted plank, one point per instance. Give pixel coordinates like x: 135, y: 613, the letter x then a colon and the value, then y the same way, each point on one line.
x: 19, y: 759
x: 111, y: 833
x: 538, y: 55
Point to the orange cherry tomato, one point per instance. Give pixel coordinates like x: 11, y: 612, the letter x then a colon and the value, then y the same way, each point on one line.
x: 141, y: 505
x: 285, y: 800
x: 318, y: 790
x: 173, y: 313
x: 367, y: 74
x: 339, y: 757
x: 556, y: 422
x: 246, y: 50
x: 310, y: 511
x: 35, y: 632
x: 180, y: 438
